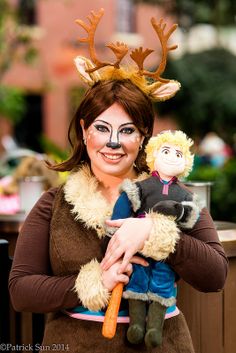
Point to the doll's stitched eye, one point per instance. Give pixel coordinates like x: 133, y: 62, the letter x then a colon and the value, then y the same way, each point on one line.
x: 179, y: 155
x: 101, y: 128
x: 165, y: 151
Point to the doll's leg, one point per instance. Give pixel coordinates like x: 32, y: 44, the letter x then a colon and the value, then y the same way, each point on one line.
x: 136, y: 293
x: 161, y: 294
x: 155, y: 322
x: 137, y: 313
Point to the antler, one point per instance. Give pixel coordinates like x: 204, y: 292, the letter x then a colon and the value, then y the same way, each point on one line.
x: 94, y: 19
x: 163, y: 37
x: 138, y: 56
x: 119, y: 49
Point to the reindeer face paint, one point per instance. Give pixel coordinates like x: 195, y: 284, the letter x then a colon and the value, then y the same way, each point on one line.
x: 113, y: 142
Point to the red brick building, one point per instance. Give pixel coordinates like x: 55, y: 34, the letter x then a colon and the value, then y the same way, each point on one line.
x: 53, y: 76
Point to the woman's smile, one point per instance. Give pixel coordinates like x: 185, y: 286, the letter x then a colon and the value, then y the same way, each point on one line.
x: 112, y: 157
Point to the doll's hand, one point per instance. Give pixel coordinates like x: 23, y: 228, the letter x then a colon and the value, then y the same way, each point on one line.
x: 169, y: 208
x: 126, y: 241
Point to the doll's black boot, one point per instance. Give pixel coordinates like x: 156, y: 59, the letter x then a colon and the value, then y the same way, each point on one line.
x: 137, y: 313
x: 155, y: 321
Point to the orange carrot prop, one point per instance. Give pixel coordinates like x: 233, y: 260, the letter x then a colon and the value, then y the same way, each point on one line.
x: 110, y: 319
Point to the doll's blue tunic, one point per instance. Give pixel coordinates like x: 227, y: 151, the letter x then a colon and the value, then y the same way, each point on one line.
x: 157, y: 279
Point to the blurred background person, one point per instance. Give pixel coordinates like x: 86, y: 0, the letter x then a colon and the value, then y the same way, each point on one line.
x: 213, y: 150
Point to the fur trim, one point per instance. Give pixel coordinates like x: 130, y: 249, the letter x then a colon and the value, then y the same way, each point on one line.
x: 89, y: 287
x: 132, y: 192
x: 163, y: 237
x: 196, y: 206
x: 163, y: 301
x: 198, y: 201
x: 192, y: 217
x: 111, y: 230
x: 128, y: 294
x: 88, y: 203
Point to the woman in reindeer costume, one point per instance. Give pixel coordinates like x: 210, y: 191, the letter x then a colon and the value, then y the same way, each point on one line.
x: 57, y: 263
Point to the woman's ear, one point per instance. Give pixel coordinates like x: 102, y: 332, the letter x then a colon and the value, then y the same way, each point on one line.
x: 143, y: 135
x: 83, y: 129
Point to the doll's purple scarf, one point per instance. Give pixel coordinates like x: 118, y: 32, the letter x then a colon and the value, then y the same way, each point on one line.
x: 165, y: 183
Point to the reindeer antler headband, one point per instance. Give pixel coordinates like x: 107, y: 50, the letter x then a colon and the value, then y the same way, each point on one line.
x: 96, y: 70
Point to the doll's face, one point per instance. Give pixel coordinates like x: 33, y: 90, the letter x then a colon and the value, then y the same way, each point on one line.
x: 169, y: 161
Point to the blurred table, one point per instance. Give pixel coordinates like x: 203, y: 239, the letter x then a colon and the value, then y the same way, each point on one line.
x: 227, y: 234
x: 9, y: 228
x: 20, y: 327
x: 211, y: 317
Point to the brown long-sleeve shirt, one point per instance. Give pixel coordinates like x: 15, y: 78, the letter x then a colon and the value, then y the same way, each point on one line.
x: 199, y: 259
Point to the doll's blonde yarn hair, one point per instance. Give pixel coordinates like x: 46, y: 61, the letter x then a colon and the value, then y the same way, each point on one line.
x: 173, y: 137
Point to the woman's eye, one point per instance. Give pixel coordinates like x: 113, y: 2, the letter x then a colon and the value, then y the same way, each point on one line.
x: 102, y: 128
x: 127, y: 130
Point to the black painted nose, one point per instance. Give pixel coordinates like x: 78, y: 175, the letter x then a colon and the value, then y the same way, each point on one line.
x: 113, y: 145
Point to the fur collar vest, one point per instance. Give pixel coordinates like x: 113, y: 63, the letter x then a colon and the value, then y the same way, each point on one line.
x: 88, y: 204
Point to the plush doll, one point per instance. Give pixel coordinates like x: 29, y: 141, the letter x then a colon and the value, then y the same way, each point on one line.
x: 151, y: 290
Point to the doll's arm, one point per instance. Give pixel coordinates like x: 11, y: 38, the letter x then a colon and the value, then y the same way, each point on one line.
x: 186, y: 213
x: 122, y: 209
x: 170, y: 208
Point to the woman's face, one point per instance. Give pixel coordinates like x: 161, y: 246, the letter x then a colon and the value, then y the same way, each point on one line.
x: 113, y: 142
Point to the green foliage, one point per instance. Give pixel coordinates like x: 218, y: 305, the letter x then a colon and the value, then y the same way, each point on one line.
x: 217, y: 12
x: 223, y: 196
x: 16, y: 39
x: 30, y: 55
x: 51, y: 149
x: 15, y: 45
x: 207, y: 99
x: 12, y: 103
x: 76, y: 95
x: 189, y: 12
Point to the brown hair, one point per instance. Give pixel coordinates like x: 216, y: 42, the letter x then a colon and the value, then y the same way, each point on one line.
x: 99, y: 98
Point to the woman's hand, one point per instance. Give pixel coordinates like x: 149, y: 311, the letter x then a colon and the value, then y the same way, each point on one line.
x: 126, y: 241
x: 113, y: 274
